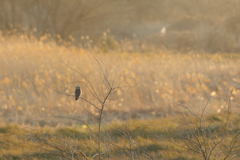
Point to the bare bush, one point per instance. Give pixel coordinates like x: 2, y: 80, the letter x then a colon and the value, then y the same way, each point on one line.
x: 200, y: 134
x: 101, y: 140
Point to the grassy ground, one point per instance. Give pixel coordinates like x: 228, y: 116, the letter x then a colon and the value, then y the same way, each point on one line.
x: 161, y: 81
x: 145, y: 139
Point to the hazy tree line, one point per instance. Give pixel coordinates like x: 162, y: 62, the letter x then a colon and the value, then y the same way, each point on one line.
x: 199, y: 25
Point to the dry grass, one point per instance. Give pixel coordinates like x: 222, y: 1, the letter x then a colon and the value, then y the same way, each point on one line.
x: 147, y: 137
x: 160, y: 80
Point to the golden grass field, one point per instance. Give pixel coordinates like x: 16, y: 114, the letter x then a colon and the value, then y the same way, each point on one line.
x: 159, y: 81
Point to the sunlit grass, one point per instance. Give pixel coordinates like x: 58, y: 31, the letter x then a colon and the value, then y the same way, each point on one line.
x: 160, y: 80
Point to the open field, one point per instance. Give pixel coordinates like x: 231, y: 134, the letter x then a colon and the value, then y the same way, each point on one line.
x: 160, y: 79
x: 140, y: 121
x: 159, y: 82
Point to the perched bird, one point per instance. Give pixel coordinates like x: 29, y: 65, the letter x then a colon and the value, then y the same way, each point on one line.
x: 78, y: 92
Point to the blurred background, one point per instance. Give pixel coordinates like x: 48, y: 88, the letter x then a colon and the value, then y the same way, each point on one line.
x: 209, y: 26
x: 172, y: 52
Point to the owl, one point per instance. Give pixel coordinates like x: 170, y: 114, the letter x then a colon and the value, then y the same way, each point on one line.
x: 78, y: 92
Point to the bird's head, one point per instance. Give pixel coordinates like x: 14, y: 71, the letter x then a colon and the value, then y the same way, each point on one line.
x: 77, y: 87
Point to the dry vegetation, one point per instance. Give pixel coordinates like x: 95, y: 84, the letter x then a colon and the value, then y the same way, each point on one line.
x: 160, y: 83
x: 209, y: 26
x: 160, y: 80
x: 167, y: 95
x: 133, y: 139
